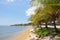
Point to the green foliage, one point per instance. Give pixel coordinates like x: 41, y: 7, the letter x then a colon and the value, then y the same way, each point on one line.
x: 48, y: 1
x: 48, y: 11
x: 43, y: 32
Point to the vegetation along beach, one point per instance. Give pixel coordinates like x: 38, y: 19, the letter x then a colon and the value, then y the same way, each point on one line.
x: 30, y: 20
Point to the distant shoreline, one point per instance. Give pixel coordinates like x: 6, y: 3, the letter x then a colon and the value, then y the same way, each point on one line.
x: 28, y: 24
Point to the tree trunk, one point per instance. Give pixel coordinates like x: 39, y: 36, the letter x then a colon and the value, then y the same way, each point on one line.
x: 46, y: 25
x: 55, y: 26
x: 40, y: 26
x: 37, y: 26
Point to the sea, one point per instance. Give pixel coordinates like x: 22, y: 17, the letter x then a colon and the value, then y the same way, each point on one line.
x: 7, y: 32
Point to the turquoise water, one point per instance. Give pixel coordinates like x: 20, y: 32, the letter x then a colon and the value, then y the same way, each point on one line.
x: 9, y: 31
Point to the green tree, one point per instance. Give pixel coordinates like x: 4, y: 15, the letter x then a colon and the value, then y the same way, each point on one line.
x: 40, y: 17
x: 54, y: 5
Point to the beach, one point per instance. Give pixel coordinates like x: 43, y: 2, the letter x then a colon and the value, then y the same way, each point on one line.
x: 23, y: 35
x: 9, y: 32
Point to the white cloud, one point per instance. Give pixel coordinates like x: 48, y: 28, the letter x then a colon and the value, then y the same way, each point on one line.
x: 7, y: 1
x: 30, y: 11
x: 10, y: 0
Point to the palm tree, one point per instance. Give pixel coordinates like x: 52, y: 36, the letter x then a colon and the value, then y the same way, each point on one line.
x: 40, y: 17
x: 54, y: 5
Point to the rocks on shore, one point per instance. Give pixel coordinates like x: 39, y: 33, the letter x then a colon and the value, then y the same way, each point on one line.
x: 47, y: 38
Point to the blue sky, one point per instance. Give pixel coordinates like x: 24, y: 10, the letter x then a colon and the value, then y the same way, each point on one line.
x: 13, y: 11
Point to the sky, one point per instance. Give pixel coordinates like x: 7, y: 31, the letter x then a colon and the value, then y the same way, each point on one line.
x: 14, y: 11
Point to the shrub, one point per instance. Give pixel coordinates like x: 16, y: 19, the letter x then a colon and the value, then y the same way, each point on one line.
x: 42, y: 32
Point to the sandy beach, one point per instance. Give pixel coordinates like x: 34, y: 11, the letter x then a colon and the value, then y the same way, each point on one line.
x: 23, y: 35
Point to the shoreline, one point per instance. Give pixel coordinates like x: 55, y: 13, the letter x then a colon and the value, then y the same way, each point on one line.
x: 23, y: 35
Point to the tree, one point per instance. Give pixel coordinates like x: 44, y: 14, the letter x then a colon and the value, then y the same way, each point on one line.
x: 54, y: 5
x: 40, y: 17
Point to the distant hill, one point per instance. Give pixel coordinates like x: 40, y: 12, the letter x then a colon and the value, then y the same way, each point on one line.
x: 22, y: 24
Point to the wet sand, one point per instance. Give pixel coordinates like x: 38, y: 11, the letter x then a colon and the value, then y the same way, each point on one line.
x: 23, y: 35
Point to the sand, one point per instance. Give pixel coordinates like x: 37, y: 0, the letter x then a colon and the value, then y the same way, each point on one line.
x: 23, y: 35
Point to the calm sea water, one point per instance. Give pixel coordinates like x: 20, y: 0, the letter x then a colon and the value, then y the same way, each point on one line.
x: 9, y: 31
